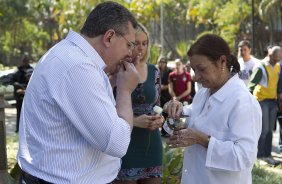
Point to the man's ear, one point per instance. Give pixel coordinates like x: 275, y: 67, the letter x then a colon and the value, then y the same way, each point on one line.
x: 108, y: 36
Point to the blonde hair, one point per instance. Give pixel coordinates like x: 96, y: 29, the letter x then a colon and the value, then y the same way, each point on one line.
x: 142, y: 28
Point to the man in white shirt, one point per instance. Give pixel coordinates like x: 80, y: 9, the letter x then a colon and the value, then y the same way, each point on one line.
x: 72, y: 130
x: 246, y: 61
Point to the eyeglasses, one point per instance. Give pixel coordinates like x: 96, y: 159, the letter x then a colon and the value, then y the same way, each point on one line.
x: 130, y: 44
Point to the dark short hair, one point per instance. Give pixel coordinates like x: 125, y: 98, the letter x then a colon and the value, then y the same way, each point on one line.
x: 245, y: 43
x: 25, y: 59
x: 105, y: 16
x: 162, y: 59
x: 213, y: 47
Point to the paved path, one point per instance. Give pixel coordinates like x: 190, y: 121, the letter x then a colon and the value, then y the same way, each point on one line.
x: 10, y: 121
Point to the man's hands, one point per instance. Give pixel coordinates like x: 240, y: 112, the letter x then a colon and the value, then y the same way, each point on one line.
x: 114, y: 75
x: 127, y: 77
x: 20, y: 91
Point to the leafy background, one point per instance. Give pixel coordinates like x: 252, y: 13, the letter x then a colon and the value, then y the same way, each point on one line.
x: 30, y: 27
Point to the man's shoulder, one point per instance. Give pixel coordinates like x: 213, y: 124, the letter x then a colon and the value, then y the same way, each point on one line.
x: 69, y: 53
x: 255, y: 60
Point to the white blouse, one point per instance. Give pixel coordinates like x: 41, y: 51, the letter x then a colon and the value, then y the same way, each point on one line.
x: 233, y: 118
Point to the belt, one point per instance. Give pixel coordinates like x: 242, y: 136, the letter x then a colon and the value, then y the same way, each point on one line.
x: 270, y: 99
x: 29, y: 179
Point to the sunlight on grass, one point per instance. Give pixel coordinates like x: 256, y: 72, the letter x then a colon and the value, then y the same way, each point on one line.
x: 264, y: 175
x: 12, y: 149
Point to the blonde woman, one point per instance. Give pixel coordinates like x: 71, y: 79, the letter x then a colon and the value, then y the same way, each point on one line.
x: 143, y: 160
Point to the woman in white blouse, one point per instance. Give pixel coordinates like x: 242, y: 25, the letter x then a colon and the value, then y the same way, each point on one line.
x: 224, y: 126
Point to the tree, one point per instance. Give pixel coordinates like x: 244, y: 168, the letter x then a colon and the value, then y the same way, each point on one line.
x: 270, y: 12
x: 222, y: 17
x: 31, y: 27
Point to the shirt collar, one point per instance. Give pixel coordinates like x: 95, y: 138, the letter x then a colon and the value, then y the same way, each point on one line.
x: 224, y: 91
x: 80, y: 42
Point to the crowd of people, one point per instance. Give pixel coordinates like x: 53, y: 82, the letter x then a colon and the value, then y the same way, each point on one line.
x: 87, y: 115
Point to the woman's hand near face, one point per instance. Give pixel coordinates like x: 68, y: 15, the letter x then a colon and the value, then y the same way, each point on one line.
x: 149, y: 122
x: 187, y: 137
x: 136, y: 59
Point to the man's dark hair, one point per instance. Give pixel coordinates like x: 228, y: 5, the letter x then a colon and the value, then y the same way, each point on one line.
x: 105, y: 16
x: 25, y: 60
x: 244, y: 43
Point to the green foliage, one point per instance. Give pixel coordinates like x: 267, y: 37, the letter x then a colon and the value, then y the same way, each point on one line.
x: 262, y: 176
x: 154, y: 54
x: 33, y: 26
x: 145, y: 10
x: 182, y: 48
x: 15, y: 172
x: 224, y: 18
x: 268, y: 8
x: 172, y: 168
x: 172, y: 165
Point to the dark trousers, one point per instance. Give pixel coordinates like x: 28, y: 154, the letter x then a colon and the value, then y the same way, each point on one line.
x: 280, y: 131
x: 19, y: 108
x: 27, y: 178
x: 269, y: 112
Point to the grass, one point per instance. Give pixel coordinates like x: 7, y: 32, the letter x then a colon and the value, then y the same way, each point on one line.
x: 266, y: 174
x: 262, y: 173
x: 12, y: 148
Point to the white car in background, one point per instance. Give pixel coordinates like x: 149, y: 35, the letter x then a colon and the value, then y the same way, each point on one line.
x: 6, y: 86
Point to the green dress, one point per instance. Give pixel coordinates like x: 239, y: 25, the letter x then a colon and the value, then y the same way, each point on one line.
x: 144, y: 156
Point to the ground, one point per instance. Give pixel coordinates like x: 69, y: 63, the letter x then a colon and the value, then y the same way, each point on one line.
x: 262, y: 173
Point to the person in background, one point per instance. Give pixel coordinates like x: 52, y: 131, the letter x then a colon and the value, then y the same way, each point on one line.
x: 164, y: 71
x: 279, y: 113
x: 263, y: 85
x: 246, y: 60
x: 194, y: 84
x: 266, y: 52
x: 180, y: 83
x: 72, y: 129
x: 20, y: 81
x: 165, y: 96
x: 221, y: 136
x: 143, y: 160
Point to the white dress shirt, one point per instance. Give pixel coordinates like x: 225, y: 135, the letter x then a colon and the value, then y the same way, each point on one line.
x: 69, y: 130
x: 233, y: 118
